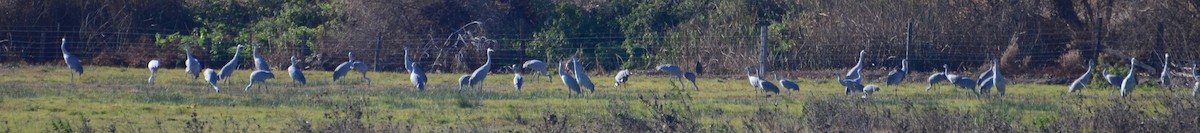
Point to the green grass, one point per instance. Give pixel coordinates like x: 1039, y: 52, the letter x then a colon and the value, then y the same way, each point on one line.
x: 33, y: 98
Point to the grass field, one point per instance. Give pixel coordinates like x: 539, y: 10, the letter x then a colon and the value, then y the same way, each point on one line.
x: 47, y: 99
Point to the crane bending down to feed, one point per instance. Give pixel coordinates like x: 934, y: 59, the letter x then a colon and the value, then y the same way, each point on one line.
x: 672, y: 70
x: 153, y: 70
x: 259, y: 76
x: 869, y: 89
x: 212, y: 77
x: 622, y: 77
x: 691, y: 77
x: 72, y: 61
x: 537, y: 66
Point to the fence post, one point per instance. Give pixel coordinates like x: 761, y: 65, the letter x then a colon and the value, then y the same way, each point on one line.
x: 378, y: 46
x: 762, y: 55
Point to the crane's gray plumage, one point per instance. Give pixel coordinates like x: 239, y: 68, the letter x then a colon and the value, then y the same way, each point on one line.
x: 153, y: 70
x: 481, y: 73
x: 767, y: 86
x: 851, y: 85
x: 212, y: 77
x: 622, y: 77
x: 296, y: 72
x: 259, y: 62
x: 787, y: 84
x: 568, y: 80
x: 998, y: 79
x: 72, y: 61
x: 538, y: 66
x: 517, y: 79
x: 692, y: 78
x: 1082, y: 80
x: 581, y: 76
x: 464, y: 81
x: 1165, y: 77
x: 937, y: 77
x: 417, y: 76
x: 984, y: 86
x: 1112, y: 79
x: 964, y: 83
x: 193, y: 64
x: 229, y: 67
x: 869, y: 89
x: 673, y: 70
x: 985, y: 75
x: 897, y: 76
x: 343, y: 68
x: 1130, y: 81
x: 259, y: 76
x: 362, y: 70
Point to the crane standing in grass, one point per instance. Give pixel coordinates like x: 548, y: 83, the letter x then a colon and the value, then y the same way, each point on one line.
x: 787, y: 84
x: 673, y: 70
x: 568, y: 80
x: 691, y: 77
x: 1112, y: 79
x: 937, y: 77
x: 415, y: 73
x: 72, y: 61
x: 296, y: 72
x: 229, y: 67
x: 538, y: 66
x: 1082, y: 80
x: 1130, y: 81
x: 517, y: 79
x: 581, y: 76
x: 212, y: 77
x: 193, y: 64
x: 153, y: 70
x: 482, y: 72
x: 260, y: 63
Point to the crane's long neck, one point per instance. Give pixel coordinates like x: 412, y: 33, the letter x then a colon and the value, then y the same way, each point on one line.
x: 237, y: 53
x: 904, y: 64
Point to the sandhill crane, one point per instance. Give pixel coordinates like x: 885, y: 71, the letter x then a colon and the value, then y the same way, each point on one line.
x: 417, y: 76
x: 343, y: 68
x: 260, y: 63
x: 963, y: 82
x: 855, y: 73
x: 984, y: 81
x: 212, y: 77
x: 481, y: 73
x: 753, y: 80
x: 897, y: 76
x: 672, y: 70
x: 1082, y: 80
x: 538, y: 66
x: 1112, y: 79
x: 71, y: 60
x: 787, y: 84
x: 767, y: 86
x: 852, y: 85
x: 937, y: 77
x: 1165, y: 77
x: 153, y: 70
x: 622, y: 77
x: 869, y: 89
x: 229, y: 67
x: 259, y: 76
x: 581, y: 76
x: 193, y: 64
x: 517, y: 79
x: 296, y: 72
x: 464, y: 81
x: 1130, y: 81
x: 362, y: 70
x: 998, y: 78
x: 568, y: 80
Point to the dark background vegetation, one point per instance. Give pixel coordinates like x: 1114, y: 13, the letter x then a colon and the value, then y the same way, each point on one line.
x: 609, y: 34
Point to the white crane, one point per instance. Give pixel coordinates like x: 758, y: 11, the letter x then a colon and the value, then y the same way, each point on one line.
x: 259, y: 62
x: 622, y: 77
x: 568, y: 80
x: 581, y: 76
x: 72, y: 61
x: 212, y: 77
x: 296, y: 72
x: 517, y: 79
x: 259, y: 76
x: 1130, y: 81
x: 153, y: 70
x: 229, y: 67
x: 482, y: 72
x: 538, y: 66
x: 1082, y: 80
x: 193, y: 64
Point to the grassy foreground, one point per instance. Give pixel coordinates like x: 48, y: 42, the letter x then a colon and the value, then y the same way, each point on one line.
x: 47, y: 99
